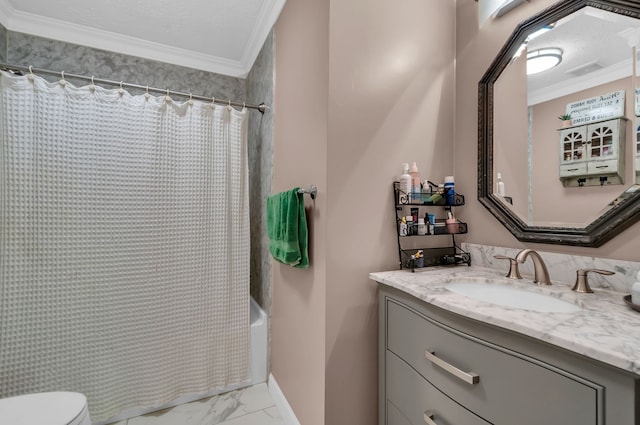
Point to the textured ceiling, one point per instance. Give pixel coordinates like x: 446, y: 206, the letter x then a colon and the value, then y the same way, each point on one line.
x: 222, y: 36
x: 597, y: 49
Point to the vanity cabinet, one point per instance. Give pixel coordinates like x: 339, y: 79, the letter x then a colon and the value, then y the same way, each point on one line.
x: 437, y: 367
x: 589, y: 153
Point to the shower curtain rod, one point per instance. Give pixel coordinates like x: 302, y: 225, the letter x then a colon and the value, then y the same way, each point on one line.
x: 22, y: 69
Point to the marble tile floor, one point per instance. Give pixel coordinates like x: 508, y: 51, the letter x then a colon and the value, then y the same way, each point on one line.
x: 246, y: 406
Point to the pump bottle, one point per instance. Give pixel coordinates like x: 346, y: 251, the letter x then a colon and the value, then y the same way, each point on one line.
x: 405, y: 184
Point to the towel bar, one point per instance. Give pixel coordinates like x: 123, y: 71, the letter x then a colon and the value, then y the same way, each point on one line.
x: 313, y: 190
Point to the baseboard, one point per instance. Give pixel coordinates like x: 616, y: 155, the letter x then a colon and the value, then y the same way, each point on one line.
x: 281, y: 402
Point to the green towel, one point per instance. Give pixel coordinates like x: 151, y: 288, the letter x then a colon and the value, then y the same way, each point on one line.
x: 287, y: 228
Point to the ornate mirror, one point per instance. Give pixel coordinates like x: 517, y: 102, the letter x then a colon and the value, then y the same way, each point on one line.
x: 555, y: 186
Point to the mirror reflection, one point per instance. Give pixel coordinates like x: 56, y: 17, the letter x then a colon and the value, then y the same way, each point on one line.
x: 567, y: 174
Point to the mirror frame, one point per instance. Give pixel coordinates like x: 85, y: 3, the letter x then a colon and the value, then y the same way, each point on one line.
x: 608, y: 225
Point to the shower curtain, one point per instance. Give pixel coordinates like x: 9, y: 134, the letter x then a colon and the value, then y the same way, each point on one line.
x: 124, y: 245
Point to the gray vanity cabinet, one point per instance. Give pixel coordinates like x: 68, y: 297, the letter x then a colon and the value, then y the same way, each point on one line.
x: 462, y: 372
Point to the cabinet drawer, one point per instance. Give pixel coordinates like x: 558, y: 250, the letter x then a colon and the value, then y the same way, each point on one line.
x: 602, y: 167
x: 409, y: 396
x: 502, y: 375
x: 395, y: 416
x: 573, y: 170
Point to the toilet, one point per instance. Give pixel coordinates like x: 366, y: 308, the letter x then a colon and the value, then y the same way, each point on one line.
x: 54, y: 408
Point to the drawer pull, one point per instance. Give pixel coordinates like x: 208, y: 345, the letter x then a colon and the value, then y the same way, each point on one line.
x: 428, y: 418
x: 468, y: 377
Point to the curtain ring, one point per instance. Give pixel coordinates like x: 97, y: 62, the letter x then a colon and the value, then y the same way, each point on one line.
x: 213, y: 102
x: 146, y: 94
x: 92, y: 82
x: 31, y: 76
x: 92, y: 87
x: 63, y: 82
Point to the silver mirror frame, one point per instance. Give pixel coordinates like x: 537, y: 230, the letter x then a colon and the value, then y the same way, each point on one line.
x: 620, y: 216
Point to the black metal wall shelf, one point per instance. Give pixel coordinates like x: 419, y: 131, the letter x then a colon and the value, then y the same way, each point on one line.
x: 451, y: 254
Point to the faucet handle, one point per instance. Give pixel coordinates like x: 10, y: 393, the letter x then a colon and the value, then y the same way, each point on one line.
x: 582, y: 283
x: 513, y: 273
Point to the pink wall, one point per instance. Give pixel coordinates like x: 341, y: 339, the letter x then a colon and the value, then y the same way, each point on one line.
x: 390, y: 101
x: 361, y: 86
x: 476, y: 48
x: 300, y: 159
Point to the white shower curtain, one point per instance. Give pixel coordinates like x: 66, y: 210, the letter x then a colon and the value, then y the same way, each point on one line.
x: 124, y: 245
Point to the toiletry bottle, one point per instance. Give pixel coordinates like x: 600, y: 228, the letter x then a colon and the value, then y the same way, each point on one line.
x: 414, y: 214
x: 499, y: 185
x: 405, y: 185
x: 426, y: 192
x: 635, y: 290
x: 403, y: 227
x: 432, y: 223
x: 422, y: 228
x: 449, y: 190
x: 410, y: 225
x: 416, y: 187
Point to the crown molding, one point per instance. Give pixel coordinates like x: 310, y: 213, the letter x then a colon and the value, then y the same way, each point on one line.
x: 6, y: 10
x: 29, y: 23
x: 266, y: 20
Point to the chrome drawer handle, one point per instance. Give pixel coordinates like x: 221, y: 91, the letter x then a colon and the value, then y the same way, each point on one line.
x: 468, y: 377
x: 428, y: 418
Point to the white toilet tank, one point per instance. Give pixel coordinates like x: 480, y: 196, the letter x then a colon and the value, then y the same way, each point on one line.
x: 54, y: 408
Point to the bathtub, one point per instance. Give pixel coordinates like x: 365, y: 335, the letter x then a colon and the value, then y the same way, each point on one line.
x: 259, y: 343
x: 258, y: 340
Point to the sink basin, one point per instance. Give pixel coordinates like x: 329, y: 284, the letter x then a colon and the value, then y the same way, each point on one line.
x: 509, y: 296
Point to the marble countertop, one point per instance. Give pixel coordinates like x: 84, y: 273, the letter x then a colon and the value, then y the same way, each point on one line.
x: 606, y: 329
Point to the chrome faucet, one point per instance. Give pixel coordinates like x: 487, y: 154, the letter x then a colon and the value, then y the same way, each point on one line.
x: 541, y: 274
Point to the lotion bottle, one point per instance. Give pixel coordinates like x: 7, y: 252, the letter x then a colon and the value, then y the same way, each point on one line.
x: 405, y: 184
x: 499, y: 185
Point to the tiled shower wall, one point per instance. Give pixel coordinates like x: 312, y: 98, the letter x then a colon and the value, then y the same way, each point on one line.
x: 3, y: 43
x: 260, y: 89
x: 24, y: 49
